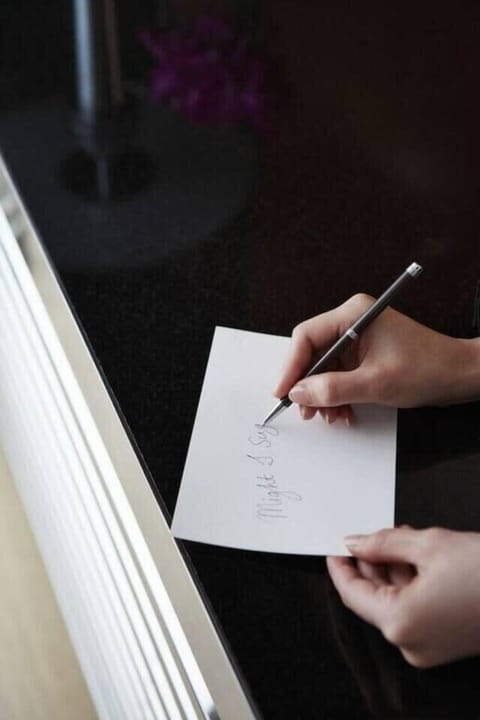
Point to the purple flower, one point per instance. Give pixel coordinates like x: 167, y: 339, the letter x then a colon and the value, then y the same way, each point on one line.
x: 210, y: 74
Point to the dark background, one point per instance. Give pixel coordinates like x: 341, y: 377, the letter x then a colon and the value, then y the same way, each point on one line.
x: 370, y: 162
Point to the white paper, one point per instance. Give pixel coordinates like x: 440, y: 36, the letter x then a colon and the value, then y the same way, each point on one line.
x: 294, y: 487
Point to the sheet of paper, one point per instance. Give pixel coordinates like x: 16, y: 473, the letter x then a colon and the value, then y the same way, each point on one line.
x: 293, y: 487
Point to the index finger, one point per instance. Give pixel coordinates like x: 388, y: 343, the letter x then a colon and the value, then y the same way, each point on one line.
x: 309, y: 337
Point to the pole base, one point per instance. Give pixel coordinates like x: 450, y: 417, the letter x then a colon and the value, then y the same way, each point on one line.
x: 107, y: 177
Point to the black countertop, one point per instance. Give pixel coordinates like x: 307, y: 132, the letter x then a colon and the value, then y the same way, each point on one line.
x: 372, y: 163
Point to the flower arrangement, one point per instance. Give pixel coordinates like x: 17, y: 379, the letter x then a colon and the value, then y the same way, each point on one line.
x: 211, y: 74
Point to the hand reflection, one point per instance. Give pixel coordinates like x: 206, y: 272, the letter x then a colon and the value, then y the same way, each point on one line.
x: 385, y: 682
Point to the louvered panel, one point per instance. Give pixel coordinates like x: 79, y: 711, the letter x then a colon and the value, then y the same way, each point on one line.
x: 56, y: 498
x: 106, y: 582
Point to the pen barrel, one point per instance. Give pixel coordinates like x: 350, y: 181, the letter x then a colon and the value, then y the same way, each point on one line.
x: 375, y: 309
x: 382, y: 302
x: 352, y: 333
x: 330, y: 355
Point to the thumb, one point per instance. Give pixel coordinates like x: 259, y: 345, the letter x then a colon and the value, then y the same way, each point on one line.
x: 331, y: 389
x: 395, y: 545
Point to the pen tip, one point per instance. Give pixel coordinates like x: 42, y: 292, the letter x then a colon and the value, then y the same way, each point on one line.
x: 279, y: 407
x: 266, y: 420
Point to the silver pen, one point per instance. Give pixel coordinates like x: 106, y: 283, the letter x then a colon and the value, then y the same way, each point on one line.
x: 352, y: 333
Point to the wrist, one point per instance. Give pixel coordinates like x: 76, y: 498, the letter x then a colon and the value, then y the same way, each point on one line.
x: 466, y: 375
x: 475, y: 575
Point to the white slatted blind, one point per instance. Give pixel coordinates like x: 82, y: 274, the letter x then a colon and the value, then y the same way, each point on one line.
x: 134, y: 654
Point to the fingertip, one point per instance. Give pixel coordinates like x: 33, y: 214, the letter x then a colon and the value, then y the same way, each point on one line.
x: 386, y: 545
x: 330, y: 562
x: 348, y: 416
x: 336, y: 562
x: 343, y: 413
x: 282, y: 387
x: 354, y: 543
x: 342, y: 570
x: 307, y: 412
x: 332, y: 414
x: 329, y: 415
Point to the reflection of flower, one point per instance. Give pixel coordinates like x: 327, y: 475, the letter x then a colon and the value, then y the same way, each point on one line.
x: 211, y: 75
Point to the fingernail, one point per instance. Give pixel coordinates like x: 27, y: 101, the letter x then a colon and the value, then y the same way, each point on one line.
x: 298, y: 394
x: 348, y: 420
x: 328, y: 417
x: 354, y: 542
x: 303, y: 411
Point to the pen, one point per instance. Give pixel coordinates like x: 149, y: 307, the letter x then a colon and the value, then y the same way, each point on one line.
x: 352, y: 333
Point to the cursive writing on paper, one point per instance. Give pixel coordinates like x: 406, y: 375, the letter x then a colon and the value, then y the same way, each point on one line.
x: 273, y: 502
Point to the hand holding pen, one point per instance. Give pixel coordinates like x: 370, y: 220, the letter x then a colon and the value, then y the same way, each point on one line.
x: 395, y: 361
x: 411, y: 584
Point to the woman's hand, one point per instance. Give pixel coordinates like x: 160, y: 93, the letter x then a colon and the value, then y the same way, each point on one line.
x: 396, y: 361
x: 421, y: 588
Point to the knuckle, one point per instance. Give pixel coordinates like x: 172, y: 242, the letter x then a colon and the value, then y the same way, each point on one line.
x: 304, y: 328
x: 346, y: 600
x: 329, y: 391
x: 360, y: 302
x: 402, y: 625
x: 299, y: 331
x: 391, y: 633
x: 309, y: 395
x: 417, y: 659
x: 432, y: 538
x: 398, y: 629
x: 383, y: 382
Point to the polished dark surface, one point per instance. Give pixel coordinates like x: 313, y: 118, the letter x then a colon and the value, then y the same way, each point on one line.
x: 372, y: 162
